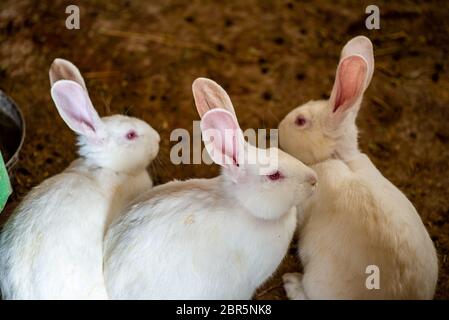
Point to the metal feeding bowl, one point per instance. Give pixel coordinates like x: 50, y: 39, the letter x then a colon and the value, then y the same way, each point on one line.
x: 12, y: 131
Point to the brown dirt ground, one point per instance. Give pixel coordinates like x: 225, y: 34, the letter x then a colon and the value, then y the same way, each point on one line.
x: 140, y: 58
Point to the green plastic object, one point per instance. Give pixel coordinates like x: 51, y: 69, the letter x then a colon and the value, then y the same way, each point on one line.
x: 5, y: 184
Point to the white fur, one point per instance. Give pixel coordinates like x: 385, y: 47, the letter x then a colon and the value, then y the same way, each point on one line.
x: 357, y: 217
x: 52, y: 245
x: 217, y: 238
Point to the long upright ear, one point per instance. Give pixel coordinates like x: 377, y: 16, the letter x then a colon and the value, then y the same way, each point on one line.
x: 354, y: 73
x: 223, y: 138
x: 209, y: 95
x: 76, y: 109
x: 62, y: 69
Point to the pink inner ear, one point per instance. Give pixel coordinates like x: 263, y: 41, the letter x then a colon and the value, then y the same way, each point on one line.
x: 75, y: 107
x: 220, y: 125
x: 87, y: 122
x: 203, y: 105
x: 227, y: 141
x: 350, y: 80
x: 209, y: 95
x: 77, y: 114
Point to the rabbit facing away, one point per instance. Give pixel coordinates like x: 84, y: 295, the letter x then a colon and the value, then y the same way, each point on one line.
x: 357, y: 218
x: 52, y: 245
x: 218, y: 238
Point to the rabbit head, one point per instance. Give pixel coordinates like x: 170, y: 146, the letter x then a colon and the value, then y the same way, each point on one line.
x: 319, y: 130
x: 120, y: 143
x: 267, y: 182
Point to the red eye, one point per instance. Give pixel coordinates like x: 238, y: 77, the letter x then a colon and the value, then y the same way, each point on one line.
x: 300, y: 121
x: 275, y: 176
x: 131, y: 135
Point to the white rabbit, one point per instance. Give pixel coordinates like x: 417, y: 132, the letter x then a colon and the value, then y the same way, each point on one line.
x: 357, y: 221
x: 52, y: 245
x: 217, y: 238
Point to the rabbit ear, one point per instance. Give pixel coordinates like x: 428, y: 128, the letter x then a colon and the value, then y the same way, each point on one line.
x: 76, y: 109
x: 62, y: 69
x: 209, y: 95
x: 354, y: 74
x: 222, y: 137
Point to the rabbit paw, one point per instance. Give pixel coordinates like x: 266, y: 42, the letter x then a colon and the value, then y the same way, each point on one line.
x: 293, y: 286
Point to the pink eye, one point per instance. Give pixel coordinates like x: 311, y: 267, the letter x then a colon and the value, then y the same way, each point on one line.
x: 275, y: 176
x: 300, y: 121
x: 131, y: 135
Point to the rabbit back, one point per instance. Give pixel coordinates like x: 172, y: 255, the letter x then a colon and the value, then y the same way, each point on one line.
x: 51, y: 248
x: 187, y: 241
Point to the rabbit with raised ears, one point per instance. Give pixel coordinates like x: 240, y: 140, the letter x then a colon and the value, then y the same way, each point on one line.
x: 218, y: 238
x: 361, y: 238
x: 52, y: 245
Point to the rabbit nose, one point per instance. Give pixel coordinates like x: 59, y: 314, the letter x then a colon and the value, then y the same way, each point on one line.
x: 312, y: 179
